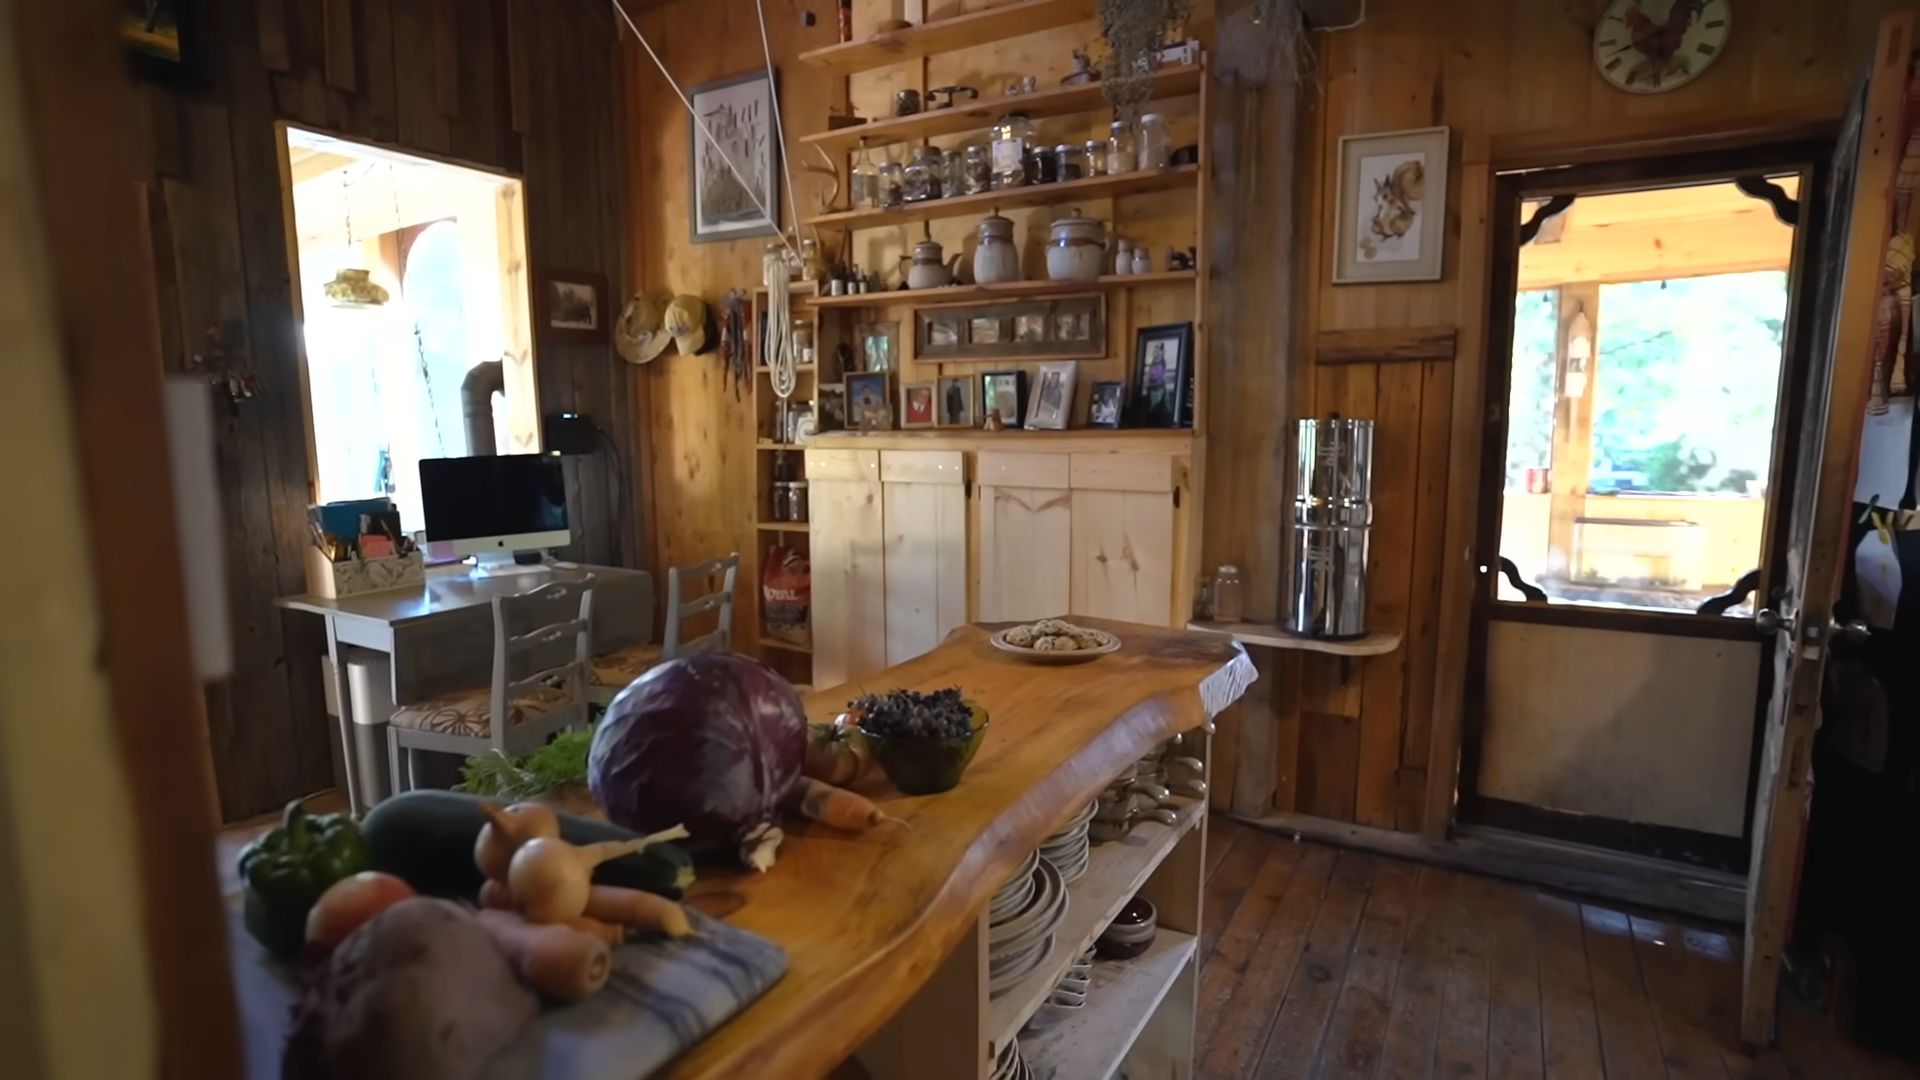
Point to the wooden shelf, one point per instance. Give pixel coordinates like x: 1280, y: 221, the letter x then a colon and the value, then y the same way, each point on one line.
x: 1066, y: 191
x: 1091, y: 440
x: 1268, y: 634
x: 769, y: 444
x: 785, y: 646
x: 783, y: 526
x: 1005, y: 290
x: 1124, y: 994
x: 983, y: 112
x: 803, y: 369
x: 947, y: 35
x: 1115, y: 871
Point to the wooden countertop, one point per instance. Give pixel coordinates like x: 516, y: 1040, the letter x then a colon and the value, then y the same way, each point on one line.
x: 865, y: 919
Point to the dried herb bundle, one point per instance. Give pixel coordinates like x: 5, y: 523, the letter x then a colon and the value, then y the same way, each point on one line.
x: 1134, y: 30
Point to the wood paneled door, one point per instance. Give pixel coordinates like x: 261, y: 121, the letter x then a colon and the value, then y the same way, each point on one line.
x: 924, y: 500
x: 1026, y: 535
x: 849, y: 565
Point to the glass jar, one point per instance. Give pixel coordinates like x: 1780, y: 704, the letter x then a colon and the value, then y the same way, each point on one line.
x: 1043, y: 166
x: 892, y: 183
x: 1122, y: 152
x: 797, y: 501
x: 782, y: 467
x: 864, y: 181
x: 783, y: 501
x: 979, y: 170
x: 1096, y: 157
x: 1227, y: 598
x: 1073, y: 161
x: 920, y: 180
x: 803, y: 342
x: 1155, y: 142
x: 1010, y: 138
x: 953, y: 176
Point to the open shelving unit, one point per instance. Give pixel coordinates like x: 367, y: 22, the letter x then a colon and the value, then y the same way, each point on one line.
x: 947, y: 35
x: 1171, y: 178
x: 791, y: 659
x: 1006, y: 290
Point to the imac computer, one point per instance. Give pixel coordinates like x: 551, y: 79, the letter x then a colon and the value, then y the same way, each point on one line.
x: 494, y: 506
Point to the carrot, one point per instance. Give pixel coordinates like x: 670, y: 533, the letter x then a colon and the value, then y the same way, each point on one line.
x: 839, y: 807
x: 557, y: 961
x: 496, y: 895
x: 639, y: 910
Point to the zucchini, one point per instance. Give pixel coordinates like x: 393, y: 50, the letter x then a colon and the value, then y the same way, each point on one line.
x: 426, y: 838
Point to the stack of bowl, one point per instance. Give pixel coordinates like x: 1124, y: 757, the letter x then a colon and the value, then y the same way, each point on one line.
x: 1010, y: 1065
x: 1068, y: 996
x: 1021, y: 919
x: 1131, y: 932
x: 1067, y: 849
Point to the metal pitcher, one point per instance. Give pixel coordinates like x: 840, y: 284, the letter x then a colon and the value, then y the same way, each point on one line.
x: 1332, y: 516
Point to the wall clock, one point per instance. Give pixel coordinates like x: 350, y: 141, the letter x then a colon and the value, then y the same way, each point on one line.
x: 1652, y: 46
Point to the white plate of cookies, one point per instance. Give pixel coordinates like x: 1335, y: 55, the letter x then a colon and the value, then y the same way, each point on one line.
x: 1054, y: 641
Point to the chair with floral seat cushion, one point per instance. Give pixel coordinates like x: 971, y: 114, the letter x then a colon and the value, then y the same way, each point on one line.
x: 611, y: 672
x: 539, y: 684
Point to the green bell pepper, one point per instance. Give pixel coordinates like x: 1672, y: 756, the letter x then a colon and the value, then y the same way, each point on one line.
x: 287, y: 869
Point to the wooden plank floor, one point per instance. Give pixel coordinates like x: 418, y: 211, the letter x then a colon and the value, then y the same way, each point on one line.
x: 1321, y: 962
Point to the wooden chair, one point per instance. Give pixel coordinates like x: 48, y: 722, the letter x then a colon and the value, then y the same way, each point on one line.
x: 613, y: 671
x: 517, y: 712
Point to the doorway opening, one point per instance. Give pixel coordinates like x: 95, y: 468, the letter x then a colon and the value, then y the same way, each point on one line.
x: 410, y: 286
x: 1638, y: 451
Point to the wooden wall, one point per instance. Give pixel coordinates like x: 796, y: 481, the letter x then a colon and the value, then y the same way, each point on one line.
x: 516, y: 85
x: 1374, y: 741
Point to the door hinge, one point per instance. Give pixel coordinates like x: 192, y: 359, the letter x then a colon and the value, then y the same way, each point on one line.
x: 966, y: 488
x: 1176, y: 498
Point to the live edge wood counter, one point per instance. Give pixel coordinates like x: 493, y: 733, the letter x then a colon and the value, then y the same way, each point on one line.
x: 868, y: 920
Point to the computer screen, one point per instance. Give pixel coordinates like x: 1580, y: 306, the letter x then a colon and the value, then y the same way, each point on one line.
x: 467, y: 498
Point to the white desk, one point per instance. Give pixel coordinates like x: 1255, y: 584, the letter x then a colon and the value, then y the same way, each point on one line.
x: 439, y: 638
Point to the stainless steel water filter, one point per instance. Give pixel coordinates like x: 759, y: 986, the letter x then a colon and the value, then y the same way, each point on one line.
x: 1332, y: 515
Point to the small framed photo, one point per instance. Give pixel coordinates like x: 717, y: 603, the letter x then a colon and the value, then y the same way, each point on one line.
x: 162, y: 39
x: 1003, y: 395
x: 833, y: 407
x: 869, y: 402
x: 956, y: 402
x: 573, y: 305
x: 943, y: 331
x: 1030, y: 328
x: 1053, y: 398
x: 985, y: 330
x: 879, y: 346
x: 1073, y: 326
x: 1163, y: 376
x: 1392, y: 206
x: 916, y: 405
x: 1106, y: 404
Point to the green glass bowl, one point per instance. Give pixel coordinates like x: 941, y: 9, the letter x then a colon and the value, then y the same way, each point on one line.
x: 926, y: 766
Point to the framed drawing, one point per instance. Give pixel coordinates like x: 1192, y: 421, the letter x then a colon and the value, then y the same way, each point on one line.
x: 1053, y: 399
x: 1392, y: 207
x: 573, y: 305
x: 956, y: 402
x: 738, y: 112
x: 1069, y: 328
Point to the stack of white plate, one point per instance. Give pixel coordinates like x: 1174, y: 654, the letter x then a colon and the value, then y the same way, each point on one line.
x: 1068, y: 997
x: 1019, y: 936
x: 1067, y: 849
x: 1010, y: 1065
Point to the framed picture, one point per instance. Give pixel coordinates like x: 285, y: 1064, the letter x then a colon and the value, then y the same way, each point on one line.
x: 1067, y: 328
x: 1162, y: 375
x: 573, y: 304
x: 833, y: 407
x: 1053, y: 395
x: 1392, y: 206
x: 1004, y: 395
x: 879, y: 345
x: 956, y: 402
x: 1106, y: 404
x: 917, y: 405
x: 737, y: 167
x: 869, y: 402
x: 162, y: 39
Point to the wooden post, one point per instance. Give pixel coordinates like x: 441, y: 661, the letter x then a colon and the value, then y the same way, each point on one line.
x: 1577, y: 356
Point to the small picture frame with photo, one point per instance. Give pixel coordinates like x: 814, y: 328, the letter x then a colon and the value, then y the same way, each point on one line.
x: 1106, y: 403
x: 917, y: 407
x: 833, y: 407
x: 1163, y: 376
x: 870, y: 401
x: 1003, y: 396
x: 955, y: 402
x: 1052, y: 395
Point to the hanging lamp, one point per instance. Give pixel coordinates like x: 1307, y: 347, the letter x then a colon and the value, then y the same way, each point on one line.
x: 352, y: 287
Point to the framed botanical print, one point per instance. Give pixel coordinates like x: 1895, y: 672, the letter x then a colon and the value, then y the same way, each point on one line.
x: 1392, y: 207
x: 735, y: 170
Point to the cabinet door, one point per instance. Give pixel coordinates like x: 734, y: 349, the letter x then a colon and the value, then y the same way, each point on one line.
x: 925, y: 499
x: 1026, y: 536
x: 1122, y: 554
x: 849, y: 565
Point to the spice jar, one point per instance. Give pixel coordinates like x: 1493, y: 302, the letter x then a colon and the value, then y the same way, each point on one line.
x: 979, y: 170
x: 1096, y: 157
x: 953, y: 176
x: 1073, y: 161
x: 1155, y: 142
x: 1010, y: 138
x: 921, y: 178
x: 1227, y: 589
x: 1043, y: 166
x: 803, y: 342
x: 864, y: 181
x: 1122, y: 152
x: 797, y: 501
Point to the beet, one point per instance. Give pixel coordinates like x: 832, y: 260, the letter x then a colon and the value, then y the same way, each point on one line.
x: 714, y: 742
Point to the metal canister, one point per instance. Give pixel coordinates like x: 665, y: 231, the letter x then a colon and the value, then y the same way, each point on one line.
x: 1332, y: 516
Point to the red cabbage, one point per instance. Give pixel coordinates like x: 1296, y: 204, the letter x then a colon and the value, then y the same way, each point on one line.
x: 713, y: 742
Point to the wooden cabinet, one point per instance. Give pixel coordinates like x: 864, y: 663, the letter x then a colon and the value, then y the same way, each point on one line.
x: 900, y: 558
x: 849, y: 586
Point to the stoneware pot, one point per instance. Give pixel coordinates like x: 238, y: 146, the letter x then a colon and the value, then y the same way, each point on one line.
x: 996, y: 259
x: 930, y: 269
x: 1076, y: 248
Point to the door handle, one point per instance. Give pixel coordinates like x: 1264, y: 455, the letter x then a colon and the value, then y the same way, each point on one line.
x: 1851, y: 632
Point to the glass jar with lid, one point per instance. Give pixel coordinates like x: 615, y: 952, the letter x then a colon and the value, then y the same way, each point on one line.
x: 892, y: 181
x: 921, y: 178
x: 953, y: 175
x: 1011, y: 137
x: 979, y: 170
x: 1096, y: 157
x: 1155, y: 141
x: 1227, y: 598
x: 1122, y: 152
x: 1073, y: 161
x: 864, y: 181
x: 1043, y: 165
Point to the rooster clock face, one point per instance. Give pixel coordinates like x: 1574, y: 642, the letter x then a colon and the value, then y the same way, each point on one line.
x: 1652, y: 46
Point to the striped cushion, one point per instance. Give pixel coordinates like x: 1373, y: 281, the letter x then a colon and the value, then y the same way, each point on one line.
x: 467, y: 712
x: 621, y: 666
